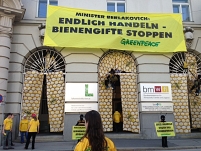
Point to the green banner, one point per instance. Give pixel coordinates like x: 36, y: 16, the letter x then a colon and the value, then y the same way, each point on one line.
x: 164, y: 129
x: 78, y: 132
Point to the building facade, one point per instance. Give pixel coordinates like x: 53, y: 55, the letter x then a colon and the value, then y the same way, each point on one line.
x: 33, y: 76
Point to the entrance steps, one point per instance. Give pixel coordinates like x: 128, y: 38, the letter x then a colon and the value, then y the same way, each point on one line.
x: 59, y: 138
x: 46, y: 138
x: 123, y: 135
x: 49, y: 138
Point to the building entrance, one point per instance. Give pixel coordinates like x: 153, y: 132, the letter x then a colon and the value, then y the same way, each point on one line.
x: 43, y: 91
x: 185, y: 79
x: 117, y: 105
x: 124, y: 96
x: 43, y: 111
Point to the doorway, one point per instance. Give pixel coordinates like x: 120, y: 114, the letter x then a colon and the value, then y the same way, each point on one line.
x: 116, y: 103
x: 43, y: 111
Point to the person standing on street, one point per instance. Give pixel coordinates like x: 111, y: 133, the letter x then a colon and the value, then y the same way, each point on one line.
x: 94, y: 138
x: 6, y: 130
x: 117, y: 120
x: 33, y: 129
x: 12, y: 116
x: 23, y: 127
x: 81, y: 122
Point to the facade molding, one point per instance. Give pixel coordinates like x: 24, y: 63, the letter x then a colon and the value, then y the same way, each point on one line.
x: 188, y: 33
x: 16, y: 4
x: 12, y: 7
x: 6, y: 22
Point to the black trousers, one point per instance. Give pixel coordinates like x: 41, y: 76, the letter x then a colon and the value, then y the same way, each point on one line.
x: 164, y: 142
x: 117, y: 127
x: 33, y: 135
x: 11, y: 140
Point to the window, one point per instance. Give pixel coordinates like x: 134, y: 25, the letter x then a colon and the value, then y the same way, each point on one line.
x: 183, y: 7
x: 42, y: 7
x: 116, y: 6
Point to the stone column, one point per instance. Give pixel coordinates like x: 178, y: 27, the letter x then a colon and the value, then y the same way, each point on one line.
x: 5, y: 45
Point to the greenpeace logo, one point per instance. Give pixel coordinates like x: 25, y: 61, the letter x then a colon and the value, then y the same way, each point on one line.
x: 156, y: 89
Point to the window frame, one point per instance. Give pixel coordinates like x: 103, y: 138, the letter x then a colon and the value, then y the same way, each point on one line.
x: 37, y: 7
x: 180, y: 9
x: 117, y: 2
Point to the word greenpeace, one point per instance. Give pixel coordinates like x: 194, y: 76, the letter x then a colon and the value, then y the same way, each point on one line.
x: 139, y: 43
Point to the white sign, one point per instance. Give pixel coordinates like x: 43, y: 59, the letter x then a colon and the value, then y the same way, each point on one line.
x: 81, y: 92
x: 168, y: 107
x: 80, y: 107
x: 156, y: 92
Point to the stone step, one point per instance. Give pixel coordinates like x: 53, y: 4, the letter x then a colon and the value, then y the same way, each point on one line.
x: 59, y: 138
x: 46, y: 138
x: 123, y: 136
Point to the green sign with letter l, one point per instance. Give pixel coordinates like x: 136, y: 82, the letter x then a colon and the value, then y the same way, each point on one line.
x: 86, y: 91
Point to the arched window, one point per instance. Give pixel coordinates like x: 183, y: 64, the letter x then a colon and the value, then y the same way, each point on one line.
x: 44, y: 61
x: 185, y: 63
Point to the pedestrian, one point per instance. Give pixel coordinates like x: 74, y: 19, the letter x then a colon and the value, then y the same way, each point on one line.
x: 12, y: 116
x: 33, y: 129
x: 81, y: 122
x: 117, y: 120
x: 164, y: 138
x: 6, y: 130
x: 94, y: 138
x: 23, y: 127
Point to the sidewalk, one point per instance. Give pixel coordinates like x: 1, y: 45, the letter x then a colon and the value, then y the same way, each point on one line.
x: 121, y: 144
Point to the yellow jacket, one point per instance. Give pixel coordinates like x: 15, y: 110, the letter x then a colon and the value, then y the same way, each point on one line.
x: 83, y: 145
x: 116, y: 117
x: 24, y: 125
x: 33, y: 126
x: 8, y: 123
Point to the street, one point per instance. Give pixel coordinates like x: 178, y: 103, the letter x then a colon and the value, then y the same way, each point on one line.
x: 183, y: 150
x: 122, y: 145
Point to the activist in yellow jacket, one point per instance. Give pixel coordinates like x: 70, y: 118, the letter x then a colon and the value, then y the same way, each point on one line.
x: 23, y: 127
x: 8, y: 123
x: 33, y: 129
x: 83, y: 145
x: 116, y: 117
x: 94, y: 138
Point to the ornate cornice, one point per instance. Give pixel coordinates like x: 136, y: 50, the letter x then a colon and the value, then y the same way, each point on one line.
x: 188, y: 33
x: 12, y: 7
x: 42, y: 32
x: 6, y: 22
x: 10, y: 11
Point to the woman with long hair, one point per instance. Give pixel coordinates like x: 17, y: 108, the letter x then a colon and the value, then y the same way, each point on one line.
x: 94, y: 138
x: 33, y: 129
